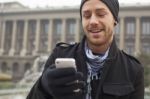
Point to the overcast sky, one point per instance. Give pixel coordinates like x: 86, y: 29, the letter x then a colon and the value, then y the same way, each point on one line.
x: 43, y: 3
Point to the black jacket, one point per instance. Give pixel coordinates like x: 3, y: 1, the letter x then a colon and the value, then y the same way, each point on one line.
x: 122, y: 76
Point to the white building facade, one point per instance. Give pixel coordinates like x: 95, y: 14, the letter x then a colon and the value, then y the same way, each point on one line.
x: 28, y: 33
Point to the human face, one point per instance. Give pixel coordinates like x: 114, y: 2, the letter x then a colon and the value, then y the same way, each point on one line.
x: 98, y: 23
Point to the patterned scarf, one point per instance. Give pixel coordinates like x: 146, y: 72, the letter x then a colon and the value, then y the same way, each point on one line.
x: 95, y: 64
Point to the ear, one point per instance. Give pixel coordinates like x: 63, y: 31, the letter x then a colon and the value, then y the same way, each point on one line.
x: 115, y: 23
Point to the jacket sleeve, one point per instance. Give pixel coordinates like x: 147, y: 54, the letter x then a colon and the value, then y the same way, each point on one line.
x: 139, y: 85
x: 37, y: 91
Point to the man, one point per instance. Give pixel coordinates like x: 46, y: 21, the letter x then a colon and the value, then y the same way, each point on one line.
x: 103, y: 71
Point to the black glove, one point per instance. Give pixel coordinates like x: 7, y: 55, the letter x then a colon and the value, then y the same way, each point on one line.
x: 63, y: 83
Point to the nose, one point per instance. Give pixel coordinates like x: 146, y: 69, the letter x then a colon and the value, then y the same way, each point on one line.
x: 93, y: 20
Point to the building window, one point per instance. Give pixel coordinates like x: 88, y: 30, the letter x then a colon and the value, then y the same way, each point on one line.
x: 4, y: 67
x: 15, y: 70
x: 57, y: 27
x: 44, y: 36
x: 146, y: 48
x: 44, y: 27
x: 146, y: 26
x: 8, y: 36
x: 32, y: 27
x: 15, y: 67
x: 19, y: 36
x: 130, y: 26
x: 130, y: 48
x: 31, y: 36
x: 71, y: 26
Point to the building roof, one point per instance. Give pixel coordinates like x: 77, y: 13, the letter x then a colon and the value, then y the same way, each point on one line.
x: 11, y: 5
x: 16, y: 7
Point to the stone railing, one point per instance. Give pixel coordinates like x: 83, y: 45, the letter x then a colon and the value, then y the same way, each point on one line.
x: 14, y: 93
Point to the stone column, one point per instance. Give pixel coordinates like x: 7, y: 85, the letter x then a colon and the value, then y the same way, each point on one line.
x: 137, y: 37
x: 122, y: 34
x: 63, y: 34
x: 37, y: 37
x: 2, y: 37
x: 50, y: 34
x: 77, y: 30
x: 13, y: 42
x: 25, y: 35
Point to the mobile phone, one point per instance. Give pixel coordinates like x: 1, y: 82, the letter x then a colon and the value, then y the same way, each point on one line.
x: 65, y: 62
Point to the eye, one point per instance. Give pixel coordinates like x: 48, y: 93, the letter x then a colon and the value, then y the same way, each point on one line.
x: 101, y: 14
x: 86, y: 15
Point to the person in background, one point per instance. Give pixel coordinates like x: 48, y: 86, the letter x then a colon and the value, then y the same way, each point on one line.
x: 103, y: 70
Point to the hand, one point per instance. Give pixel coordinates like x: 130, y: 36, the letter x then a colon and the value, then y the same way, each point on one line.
x: 63, y: 83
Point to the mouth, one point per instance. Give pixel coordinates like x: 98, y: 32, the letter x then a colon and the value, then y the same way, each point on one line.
x: 96, y: 31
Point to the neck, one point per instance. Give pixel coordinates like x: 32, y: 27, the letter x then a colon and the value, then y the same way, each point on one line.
x: 100, y: 49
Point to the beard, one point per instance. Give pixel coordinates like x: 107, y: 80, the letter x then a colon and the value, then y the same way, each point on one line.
x: 103, y: 41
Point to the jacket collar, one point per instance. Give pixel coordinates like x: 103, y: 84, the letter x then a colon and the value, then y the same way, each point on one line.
x: 113, y: 50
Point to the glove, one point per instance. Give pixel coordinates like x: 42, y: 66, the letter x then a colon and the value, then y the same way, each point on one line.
x: 63, y: 83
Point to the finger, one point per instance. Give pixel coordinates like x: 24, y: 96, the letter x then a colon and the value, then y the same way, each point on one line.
x: 70, y: 89
x: 66, y: 80
x: 57, y: 73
